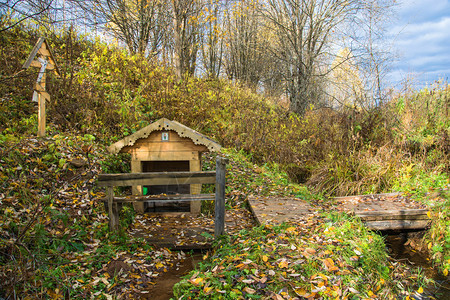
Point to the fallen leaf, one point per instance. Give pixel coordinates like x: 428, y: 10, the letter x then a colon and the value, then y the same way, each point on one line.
x: 290, y: 229
x: 196, y: 281
x: 300, y: 292
x: 249, y: 290
x: 283, y: 264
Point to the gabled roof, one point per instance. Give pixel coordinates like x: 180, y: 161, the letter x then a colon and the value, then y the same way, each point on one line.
x: 165, y: 124
x: 44, y: 49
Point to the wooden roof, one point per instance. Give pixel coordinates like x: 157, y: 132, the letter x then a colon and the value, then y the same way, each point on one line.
x: 161, y: 125
x: 42, y: 48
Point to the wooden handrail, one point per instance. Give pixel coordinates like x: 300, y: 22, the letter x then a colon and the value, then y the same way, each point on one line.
x: 156, y: 178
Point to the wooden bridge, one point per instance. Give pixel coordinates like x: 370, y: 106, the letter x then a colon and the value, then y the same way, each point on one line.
x: 381, y: 212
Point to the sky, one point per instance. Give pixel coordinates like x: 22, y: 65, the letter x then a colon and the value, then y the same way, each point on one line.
x: 421, y: 39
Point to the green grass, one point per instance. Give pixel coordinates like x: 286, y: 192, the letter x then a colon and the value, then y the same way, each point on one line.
x: 333, y: 257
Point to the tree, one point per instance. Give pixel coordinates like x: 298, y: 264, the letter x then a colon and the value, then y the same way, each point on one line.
x: 212, y: 39
x: 344, y: 81
x: 14, y: 12
x: 372, y: 52
x: 140, y: 24
x: 186, y: 35
x: 245, y: 49
x: 304, y: 29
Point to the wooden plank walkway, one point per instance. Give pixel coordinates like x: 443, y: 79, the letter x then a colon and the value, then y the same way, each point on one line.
x: 276, y: 210
x: 378, y: 211
x: 391, y: 211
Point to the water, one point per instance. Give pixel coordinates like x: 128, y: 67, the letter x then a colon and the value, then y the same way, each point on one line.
x: 406, y: 254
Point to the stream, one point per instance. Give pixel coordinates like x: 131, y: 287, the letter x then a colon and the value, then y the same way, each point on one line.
x: 162, y: 290
x: 406, y: 254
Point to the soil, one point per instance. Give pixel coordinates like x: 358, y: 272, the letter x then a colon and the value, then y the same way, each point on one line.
x: 163, y: 288
x: 179, y: 232
x: 185, y: 231
x: 408, y: 249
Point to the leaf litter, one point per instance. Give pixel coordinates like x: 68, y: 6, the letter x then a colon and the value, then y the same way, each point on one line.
x: 55, y: 241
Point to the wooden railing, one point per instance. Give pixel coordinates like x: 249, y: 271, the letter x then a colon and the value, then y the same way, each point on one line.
x: 167, y: 178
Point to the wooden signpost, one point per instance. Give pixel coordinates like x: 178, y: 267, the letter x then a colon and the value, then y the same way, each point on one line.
x: 41, y: 57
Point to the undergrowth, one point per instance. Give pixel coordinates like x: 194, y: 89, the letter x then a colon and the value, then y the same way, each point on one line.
x: 105, y: 92
x: 322, y: 258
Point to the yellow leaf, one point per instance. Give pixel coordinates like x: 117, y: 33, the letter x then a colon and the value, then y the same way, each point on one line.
x: 429, y: 214
x: 197, y: 281
x: 207, y: 290
x: 420, y: 290
x: 445, y: 272
x: 300, y: 292
x: 329, y: 263
x: 430, y: 245
x: 265, y: 258
x: 283, y: 264
x: 290, y: 229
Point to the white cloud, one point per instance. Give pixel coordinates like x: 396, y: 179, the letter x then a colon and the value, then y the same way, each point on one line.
x: 422, y: 37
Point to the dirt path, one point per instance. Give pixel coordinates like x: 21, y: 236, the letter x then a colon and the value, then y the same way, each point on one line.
x: 180, y: 236
x: 163, y: 287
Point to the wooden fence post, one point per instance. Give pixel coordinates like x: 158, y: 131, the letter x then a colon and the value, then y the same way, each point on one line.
x: 112, y: 211
x: 219, y: 224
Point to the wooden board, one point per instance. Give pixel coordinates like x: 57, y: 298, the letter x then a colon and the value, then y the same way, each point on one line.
x: 397, y: 224
x: 165, y: 198
x: 156, y: 178
x: 154, y: 148
x: 411, y: 214
x: 391, y: 211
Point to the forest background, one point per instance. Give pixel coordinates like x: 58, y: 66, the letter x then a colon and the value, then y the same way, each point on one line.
x: 296, y: 85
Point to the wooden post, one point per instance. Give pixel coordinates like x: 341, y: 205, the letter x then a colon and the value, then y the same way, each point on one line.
x: 219, y: 224
x: 41, y: 110
x: 113, y: 222
x: 195, y: 206
x: 136, y: 167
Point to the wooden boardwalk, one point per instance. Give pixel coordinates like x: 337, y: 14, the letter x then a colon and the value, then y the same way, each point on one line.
x: 391, y: 211
x: 379, y: 212
x: 276, y: 210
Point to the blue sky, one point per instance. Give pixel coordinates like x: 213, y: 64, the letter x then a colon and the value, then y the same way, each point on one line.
x: 421, y: 34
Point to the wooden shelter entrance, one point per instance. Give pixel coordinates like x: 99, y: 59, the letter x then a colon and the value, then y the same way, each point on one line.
x: 166, y: 146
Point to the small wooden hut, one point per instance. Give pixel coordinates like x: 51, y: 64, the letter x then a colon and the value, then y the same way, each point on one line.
x: 165, y: 146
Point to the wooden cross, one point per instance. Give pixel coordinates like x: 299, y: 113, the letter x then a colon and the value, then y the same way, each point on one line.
x: 41, y: 57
